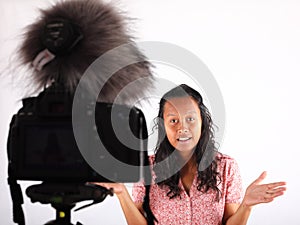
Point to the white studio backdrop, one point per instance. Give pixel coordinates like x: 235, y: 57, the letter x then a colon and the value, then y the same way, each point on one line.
x: 251, y: 47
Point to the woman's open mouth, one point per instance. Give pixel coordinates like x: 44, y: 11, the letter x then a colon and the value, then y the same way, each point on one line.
x: 184, y: 139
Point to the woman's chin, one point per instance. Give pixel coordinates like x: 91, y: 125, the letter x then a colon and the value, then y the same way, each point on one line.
x: 185, y: 150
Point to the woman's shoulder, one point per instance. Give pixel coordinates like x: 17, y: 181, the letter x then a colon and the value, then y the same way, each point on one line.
x: 228, y: 167
x: 223, y: 159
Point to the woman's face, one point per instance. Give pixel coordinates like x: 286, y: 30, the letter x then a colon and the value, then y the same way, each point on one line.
x: 182, y: 121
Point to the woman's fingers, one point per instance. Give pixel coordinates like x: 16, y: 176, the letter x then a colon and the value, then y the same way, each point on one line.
x: 106, y: 185
x: 276, y: 189
x: 275, y: 185
x: 275, y: 192
x: 117, y: 187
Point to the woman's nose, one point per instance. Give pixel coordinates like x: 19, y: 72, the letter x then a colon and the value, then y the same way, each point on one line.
x: 182, y: 131
x: 183, y: 128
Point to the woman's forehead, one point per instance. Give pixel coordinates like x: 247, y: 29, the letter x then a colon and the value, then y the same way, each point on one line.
x: 181, y: 105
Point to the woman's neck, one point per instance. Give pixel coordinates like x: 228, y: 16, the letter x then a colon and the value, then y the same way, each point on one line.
x: 185, y: 156
x: 188, y: 173
x: 190, y: 165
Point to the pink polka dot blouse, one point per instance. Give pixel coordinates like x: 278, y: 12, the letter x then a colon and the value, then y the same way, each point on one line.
x: 197, y: 208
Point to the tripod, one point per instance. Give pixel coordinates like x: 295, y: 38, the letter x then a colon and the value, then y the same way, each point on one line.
x: 63, y: 215
x: 64, y: 196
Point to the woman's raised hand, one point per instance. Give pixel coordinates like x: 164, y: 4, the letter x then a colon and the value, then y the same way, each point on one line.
x: 118, y: 188
x: 257, y: 192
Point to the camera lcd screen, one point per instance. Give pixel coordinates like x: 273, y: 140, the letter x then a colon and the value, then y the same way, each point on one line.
x: 48, y: 151
x: 54, y: 148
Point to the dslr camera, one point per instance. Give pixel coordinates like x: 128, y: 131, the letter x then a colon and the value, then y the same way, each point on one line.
x: 42, y: 146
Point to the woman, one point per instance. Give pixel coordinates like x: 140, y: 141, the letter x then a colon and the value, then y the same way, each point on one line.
x: 192, y: 182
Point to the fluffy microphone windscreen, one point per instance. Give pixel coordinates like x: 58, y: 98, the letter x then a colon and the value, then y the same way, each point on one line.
x: 95, y: 28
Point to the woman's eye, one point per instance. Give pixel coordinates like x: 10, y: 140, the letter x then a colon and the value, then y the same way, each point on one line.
x: 173, y: 121
x: 191, y: 119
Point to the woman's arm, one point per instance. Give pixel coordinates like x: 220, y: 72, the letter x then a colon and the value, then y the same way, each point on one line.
x: 236, y: 214
x: 131, y: 211
x: 256, y: 193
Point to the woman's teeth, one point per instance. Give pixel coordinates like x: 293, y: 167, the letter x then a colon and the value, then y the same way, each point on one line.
x: 184, y: 138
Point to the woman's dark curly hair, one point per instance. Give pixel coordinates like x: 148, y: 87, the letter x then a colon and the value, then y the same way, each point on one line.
x: 168, y: 173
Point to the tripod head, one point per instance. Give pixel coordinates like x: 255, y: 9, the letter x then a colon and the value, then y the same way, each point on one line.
x: 64, y: 196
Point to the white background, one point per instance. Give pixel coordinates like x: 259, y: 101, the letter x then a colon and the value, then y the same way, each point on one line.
x: 252, y: 48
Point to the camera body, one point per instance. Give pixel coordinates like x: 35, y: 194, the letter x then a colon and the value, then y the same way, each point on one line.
x: 42, y: 146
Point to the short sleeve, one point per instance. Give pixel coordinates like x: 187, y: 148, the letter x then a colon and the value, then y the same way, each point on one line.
x: 234, y: 190
x: 138, y: 192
